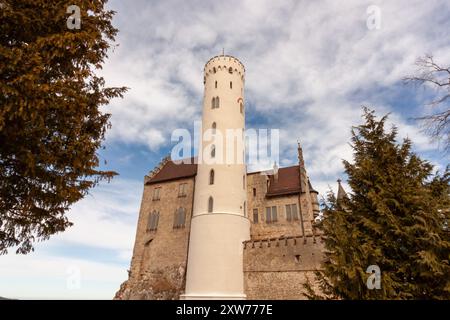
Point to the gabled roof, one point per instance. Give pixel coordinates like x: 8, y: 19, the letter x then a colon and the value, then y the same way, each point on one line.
x: 174, y: 171
x: 288, y: 182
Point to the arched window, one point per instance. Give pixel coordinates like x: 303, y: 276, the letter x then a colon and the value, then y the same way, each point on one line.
x: 230, y: 70
x: 179, y: 218
x: 210, y: 204
x: 217, y: 102
x: 211, y: 176
x: 214, y: 69
x: 241, y: 107
x: 213, y: 151
x: 213, y: 103
x: 213, y: 127
x: 215, y: 84
x: 231, y: 84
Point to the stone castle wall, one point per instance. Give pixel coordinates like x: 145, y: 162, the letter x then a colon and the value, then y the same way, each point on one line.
x: 277, y: 268
x: 282, y: 227
x: 159, y: 260
x: 277, y: 259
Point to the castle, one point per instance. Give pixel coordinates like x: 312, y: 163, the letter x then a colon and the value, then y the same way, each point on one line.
x: 211, y: 230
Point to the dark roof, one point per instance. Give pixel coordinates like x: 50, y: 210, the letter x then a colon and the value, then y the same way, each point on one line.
x: 288, y: 178
x: 174, y: 171
x: 311, y: 189
x: 288, y: 182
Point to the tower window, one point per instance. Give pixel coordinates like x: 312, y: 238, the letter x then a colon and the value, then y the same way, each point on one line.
x: 215, y: 84
x: 210, y: 204
x: 241, y: 107
x: 213, y: 103
x: 153, y: 219
x: 217, y: 102
x: 231, y: 84
x: 211, y: 177
x: 230, y: 70
x: 254, y: 192
x: 213, y: 151
x: 179, y: 218
x: 214, y: 69
x: 214, y: 126
x: 243, y: 181
x: 255, y: 216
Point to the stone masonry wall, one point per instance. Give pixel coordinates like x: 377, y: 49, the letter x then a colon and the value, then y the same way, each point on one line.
x: 159, y: 258
x: 262, y: 229
x: 277, y: 260
x: 277, y: 268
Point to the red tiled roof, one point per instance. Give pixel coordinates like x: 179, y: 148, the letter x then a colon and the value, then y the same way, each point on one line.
x: 288, y: 178
x: 173, y: 171
x: 288, y: 182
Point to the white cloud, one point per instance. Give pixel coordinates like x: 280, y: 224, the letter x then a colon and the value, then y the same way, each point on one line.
x: 107, y: 217
x: 104, y: 225
x: 306, y: 62
x: 303, y: 59
x: 38, y: 276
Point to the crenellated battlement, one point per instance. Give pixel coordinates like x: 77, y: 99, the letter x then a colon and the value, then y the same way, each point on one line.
x: 157, y: 169
x: 224, y: 63
x: 282, y: 241
x: 284, y: 254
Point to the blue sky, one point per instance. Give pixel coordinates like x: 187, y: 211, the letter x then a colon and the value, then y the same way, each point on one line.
x: 310, y: 66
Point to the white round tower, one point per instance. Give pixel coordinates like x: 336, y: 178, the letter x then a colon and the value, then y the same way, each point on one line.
x: 219, y: 222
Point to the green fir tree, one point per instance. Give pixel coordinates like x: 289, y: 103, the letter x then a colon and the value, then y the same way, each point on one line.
x: 51, y: 121
x: 396, y: 218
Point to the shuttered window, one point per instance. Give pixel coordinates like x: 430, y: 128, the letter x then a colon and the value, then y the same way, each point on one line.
x: 182, y: 190
x: 156, y: 193
x: 271, y: 214
x: 291, y: 212
x: 153, y: 220
x: 179, y: 218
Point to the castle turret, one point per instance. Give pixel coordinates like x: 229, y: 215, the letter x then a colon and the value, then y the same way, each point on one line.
x: 219, y: 222
x: 314, y: 200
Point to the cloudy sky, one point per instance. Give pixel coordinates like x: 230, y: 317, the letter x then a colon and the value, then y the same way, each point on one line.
x: 310, y: 66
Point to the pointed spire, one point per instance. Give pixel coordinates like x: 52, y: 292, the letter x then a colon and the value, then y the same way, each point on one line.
x: 301, y: 161
x: 341, y: 192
